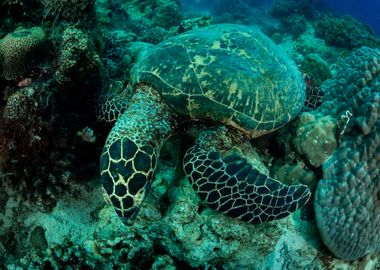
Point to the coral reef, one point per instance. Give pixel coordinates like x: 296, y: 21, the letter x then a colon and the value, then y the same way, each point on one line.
x: 346, y: 201
x: 20, y: 104
x: 345, y: 32
x: 354, y: 88
x: 295, y: 24
x: 19, y: 50
x: 166, y: 13
x: 115, y: 45
x: 194, y: 23
x: 295, y: 173
x: 56, y: 56
x: 316, y: 67
x: 38, y: 134
x: 284, y: 8
x: 37, y: 239
x: 173, y: 231
x: 314, y: 93
x: 312, y: 135
x: 68, y: 9
x: 315, y: 137
x: 307, y: 44
x: 293, y: 14
x: 77, y: 57
x: 143, y: 15
x: 238, y: 9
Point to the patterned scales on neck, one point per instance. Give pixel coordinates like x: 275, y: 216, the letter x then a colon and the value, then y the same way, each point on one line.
x: 129, y: 157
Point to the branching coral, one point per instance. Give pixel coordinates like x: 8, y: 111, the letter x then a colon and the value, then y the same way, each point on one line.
x: 19, y: 51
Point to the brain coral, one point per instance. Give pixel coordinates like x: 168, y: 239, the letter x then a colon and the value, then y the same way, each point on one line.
x: 347, y: 200
x: 18, y: 51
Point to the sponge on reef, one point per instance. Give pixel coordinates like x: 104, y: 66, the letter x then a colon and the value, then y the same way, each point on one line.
x: 18, y: 51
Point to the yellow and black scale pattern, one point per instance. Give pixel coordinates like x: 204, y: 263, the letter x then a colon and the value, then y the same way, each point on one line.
x: 129, y: 157
x: 229, y: 184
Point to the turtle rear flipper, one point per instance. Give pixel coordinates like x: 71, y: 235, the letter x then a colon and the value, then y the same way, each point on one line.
x: 233, y: 186
x: 130, y: 154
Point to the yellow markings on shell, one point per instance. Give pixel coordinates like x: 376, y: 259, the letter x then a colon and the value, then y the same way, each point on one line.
x: 248, y: 102
x: 240, y: 94
x: 232, y: 89
x: 191, y: 105
x: 200, y: 60
x: 209, y: 94
x: 203, y: 73
x: 245, y: 34
x: 156, y: 72
x: 204, y: 83
x: 243, y: 53
x: 186, y: 76
x: 216, y: 45
x: 256, y: 110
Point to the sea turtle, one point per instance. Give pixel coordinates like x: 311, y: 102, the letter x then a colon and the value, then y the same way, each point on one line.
x: 237, y: 84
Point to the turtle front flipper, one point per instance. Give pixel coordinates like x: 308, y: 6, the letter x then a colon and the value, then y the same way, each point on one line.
x: 129, y: 157
x: 228, y: 183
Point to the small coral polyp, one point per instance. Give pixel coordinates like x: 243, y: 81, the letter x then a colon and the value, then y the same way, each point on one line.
x: 19, y: 51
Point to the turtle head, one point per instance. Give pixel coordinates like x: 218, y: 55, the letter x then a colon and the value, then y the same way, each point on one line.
x: 129, y: 157
x: 126, y: 171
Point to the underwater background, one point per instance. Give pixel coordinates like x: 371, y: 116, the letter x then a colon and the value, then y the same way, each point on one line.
x: 69, y: 69
x: 365, y: 11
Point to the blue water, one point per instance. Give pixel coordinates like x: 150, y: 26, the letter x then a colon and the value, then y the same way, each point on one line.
x: 366, y: 11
